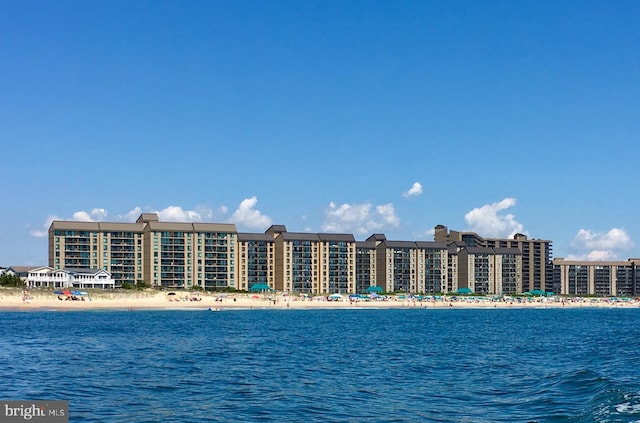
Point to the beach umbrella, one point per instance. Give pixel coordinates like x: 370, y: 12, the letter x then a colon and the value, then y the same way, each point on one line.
x: 66, y: 292
x: 57, y: 292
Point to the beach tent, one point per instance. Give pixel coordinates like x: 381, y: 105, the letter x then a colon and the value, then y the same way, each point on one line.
x: 259, y: 287
x: 374, y: 288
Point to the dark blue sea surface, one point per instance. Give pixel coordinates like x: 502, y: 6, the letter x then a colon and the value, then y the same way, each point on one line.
x: 387, y: 365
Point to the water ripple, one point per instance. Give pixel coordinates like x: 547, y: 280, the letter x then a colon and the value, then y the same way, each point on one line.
x: 328, y: 365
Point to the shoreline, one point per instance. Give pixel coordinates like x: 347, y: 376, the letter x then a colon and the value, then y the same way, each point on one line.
x: 16, y: 301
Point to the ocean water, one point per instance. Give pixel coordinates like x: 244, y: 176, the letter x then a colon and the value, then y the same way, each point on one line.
x: 387, y: 365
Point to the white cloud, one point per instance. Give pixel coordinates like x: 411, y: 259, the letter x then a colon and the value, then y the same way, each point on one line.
x: 131, y: 215
x: 246, y: 215
x: 176, y: 214
x: 173, y: 214
x: 169, y: 214
x: 359, y: 218
x: 81, y: 216
x: 99, y: 215
x: 486, y: 221
x: 429, y: 233
x: 44, y: 232
x: 95, y: 215
x: 388, y: 215
x: 414, y: 191
x: 590, y: 245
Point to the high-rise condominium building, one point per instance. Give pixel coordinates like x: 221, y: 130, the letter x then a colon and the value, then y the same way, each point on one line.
x: 314, y: 262
x: 256, y: 258
x: 602, y: 278
x: 410, y: 266
x: 162, y: 254
x: 215, y: 256
x: 536, y: 255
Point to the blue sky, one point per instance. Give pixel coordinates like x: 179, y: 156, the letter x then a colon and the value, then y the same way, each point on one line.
x: 325, y: 116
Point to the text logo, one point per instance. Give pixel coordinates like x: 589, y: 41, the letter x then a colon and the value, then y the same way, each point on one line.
x: 34, y: 411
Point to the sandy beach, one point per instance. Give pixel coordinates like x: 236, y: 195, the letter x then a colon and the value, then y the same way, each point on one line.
x: 17, y: 300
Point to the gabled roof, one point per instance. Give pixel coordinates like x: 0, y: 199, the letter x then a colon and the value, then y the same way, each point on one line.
x: 215, y: 227
x: 96, y: 226
x: 121, y: 227
x: 336, y: 237
x: 170, y: 226
x: 242, y: 236
x: 504, y: 250
x: 85, y: 271
x: 430, y: 245
x: 479, y: 250
x: 22, y: 269
x: 147, y: 217
x: 298, y: 236
x: 399, y: 244
x: 276, y: 229
x: 192, y: 227
x: 73, y: 225
x: 369, y: 244
x: 40, y: 269
x: 321, y: 237
x: 377, y: 237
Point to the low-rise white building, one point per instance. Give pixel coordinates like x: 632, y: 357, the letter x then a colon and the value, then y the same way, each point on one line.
x: 47, y: 277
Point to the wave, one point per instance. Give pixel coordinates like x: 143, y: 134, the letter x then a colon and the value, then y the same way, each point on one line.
x: 586, y: 396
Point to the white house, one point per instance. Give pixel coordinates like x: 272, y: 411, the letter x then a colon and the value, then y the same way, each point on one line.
x: 47, y: 277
